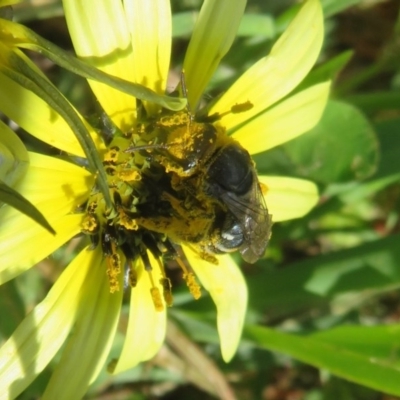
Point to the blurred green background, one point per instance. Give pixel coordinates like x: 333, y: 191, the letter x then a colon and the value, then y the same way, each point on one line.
x: 323, y: 318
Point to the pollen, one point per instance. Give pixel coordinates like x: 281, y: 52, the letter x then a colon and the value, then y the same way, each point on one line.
x: 129, y: 175
x: 158, y: 174
x: 89, y: 224
x: 113, y: 271
x: 194, y: 287
x: 157, y: 301
x: 127, y: 222
x: 190, y: 279
x: 111, y: 157
x: 155, y: 294
x: 264, y: 189
x: 132, y: 277
x: 167, y: 291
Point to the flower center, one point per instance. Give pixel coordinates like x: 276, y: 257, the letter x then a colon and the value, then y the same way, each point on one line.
x: 173, y: 181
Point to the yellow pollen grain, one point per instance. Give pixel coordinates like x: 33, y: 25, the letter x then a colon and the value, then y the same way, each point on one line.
x: 194, y: 287
x: 129, y: 175
x: 166, y: 284
x: 127, y: 222
x: 92, y: 207
x: 113, y: 271
x: 167, y: 291
x: 156, y: 297
x: 89, y: 223
x: 264, y: 188
x: 190, y: 279
x: 155, y: 293
x: 111, y: 155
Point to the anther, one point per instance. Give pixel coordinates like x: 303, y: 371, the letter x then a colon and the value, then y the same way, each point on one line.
x: 154, y: 291
x: 113, y: 271
x: 190, y: 280
x: 167, y: 291
x: 157, y: 301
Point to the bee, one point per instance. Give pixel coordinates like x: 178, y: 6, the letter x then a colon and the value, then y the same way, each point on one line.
x: 232, y: 179
x: 213, y: 188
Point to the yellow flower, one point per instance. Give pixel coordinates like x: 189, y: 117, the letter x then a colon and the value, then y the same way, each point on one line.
x: 132, y: 40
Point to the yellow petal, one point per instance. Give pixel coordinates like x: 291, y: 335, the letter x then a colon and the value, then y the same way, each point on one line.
x: 212, y: 37
x: 289, y: 119
x: 228, y: 289
x: 34, y: 115
x: 40, y: 335
x: 56, y: 188
x: 150, y: 27
x: 276, y: 75
x: 101, y: 36
x: 289, y: 198
x: 31, y: 243
x: 146, y: 327
x: 86, y: 350
x: 14, y: 156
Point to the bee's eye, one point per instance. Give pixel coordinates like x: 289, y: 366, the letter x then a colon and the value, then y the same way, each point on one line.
x: 231, y: 170
x: 231, y: 235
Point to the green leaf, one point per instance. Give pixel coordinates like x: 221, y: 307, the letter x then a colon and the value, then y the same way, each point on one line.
x: 12, y: 308
x: 388, y: 171
x: 365, y: 269
x: 257, y: 25
x: 329, y: 8
x: 250, y: 25
x: 342, y: 147
x: 326, y: 71
x: 21, y: 36
x: 377, y: 341
x: 14, y: 199
x: 332, y: 7
x: 183, y: 23
x: 27, y: 11
x: 377, y: 101
x: 389, y: 139
x: 6, y: 12
x: 368, y: 363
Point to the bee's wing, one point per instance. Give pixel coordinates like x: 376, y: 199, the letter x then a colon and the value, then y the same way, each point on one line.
x: 252, y: 213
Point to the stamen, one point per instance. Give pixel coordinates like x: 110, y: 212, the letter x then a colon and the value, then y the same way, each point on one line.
x: 190, y: 279
x: 166, y: 285
x: 194, y: 287
x: 157, y: 301
x: 113, y: 270
x: 129, y: 175
x: 130, y: 278
x: 154, y: 291
x: 167, y: 291
x: 111, y: 156
x: 127, y: 222
x: 90, y: 224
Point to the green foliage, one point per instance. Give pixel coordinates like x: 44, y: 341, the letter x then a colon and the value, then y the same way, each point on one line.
x: 366, y: 355
x: 341, y: 148
x: 328, y: 292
